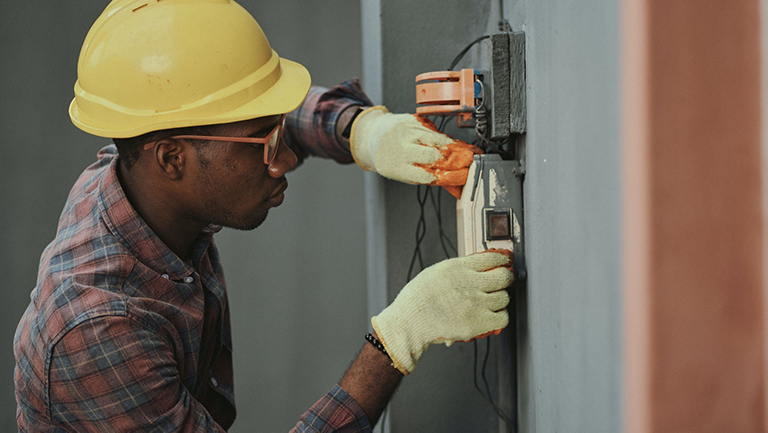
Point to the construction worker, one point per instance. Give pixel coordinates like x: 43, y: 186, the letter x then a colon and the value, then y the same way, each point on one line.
x: 128, y: 328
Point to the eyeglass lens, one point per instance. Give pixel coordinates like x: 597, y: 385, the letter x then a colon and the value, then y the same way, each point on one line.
x: 270, y: 150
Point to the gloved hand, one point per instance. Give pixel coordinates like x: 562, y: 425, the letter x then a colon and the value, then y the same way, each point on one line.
x: 455, y: 300
x: 409, y: 148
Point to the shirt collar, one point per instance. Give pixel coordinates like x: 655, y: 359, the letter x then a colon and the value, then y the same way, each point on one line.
x: 131, y: 230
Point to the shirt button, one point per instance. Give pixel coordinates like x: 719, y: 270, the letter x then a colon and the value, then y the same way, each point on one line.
x: 165, y: 276
x: 189, y: 280
x: 214, y: 382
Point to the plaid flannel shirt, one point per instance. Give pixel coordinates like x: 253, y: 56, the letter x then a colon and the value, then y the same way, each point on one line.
x: 123, y: 335
x: 311, y: 129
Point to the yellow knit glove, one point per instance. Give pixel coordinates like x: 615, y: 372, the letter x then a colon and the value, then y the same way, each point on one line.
x: 408, y: 148
x: 455, y: 300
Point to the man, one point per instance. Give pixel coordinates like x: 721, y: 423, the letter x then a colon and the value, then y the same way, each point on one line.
x: 128, y: 328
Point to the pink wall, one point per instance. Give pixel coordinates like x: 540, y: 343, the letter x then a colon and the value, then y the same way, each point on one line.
x: 693, y: 281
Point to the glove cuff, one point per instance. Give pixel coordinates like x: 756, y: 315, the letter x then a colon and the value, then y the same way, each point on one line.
x: 396, y: 341
x: 361, y: 144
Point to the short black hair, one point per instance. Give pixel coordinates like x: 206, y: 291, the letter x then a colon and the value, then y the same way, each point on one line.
x: 129, y: 149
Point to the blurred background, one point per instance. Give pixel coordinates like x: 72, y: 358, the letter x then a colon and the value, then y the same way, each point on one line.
x: 296, y: 285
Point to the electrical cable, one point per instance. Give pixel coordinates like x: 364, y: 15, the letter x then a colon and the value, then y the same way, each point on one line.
x: 461, y: 54
x: 421, y: 231
x: 485, y: 364
x: 481, y: 124
x: 503, y: 23
x: 480, y: 112
x: 445, y: 241
x: 487, y: 394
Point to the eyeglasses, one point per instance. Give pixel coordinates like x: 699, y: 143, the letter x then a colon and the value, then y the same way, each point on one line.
x: 271, y: 142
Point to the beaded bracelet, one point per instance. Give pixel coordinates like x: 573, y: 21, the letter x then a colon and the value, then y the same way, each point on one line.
x: 377, y: 344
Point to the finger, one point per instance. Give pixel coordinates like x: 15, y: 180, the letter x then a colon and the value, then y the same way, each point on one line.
x: 453, y: 168
x: 415, y: 153
x: 487, y: 334
x: 495, y: 322
x: 456, y: 155
x: 450, y: 177
x: 425, y: 122
x: 485, y: 260
x: 426, y: 137
x: 496, y: 301
x: 454, y: 191
x: 408, y: 174
x: 496, y: 279
x: 421, y: 129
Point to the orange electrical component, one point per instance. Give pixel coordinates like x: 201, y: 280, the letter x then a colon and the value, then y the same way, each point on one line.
x: 447, y: 93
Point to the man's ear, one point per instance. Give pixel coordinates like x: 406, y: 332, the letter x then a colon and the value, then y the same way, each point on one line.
x: 170, y: 156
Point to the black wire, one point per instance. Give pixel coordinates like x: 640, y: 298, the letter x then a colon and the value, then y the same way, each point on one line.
x: 421, y: 225
x: 439, y: 210
x: 474, y: 369
x: 486, y: 395
x: 464, y: 51
x: 421, y: 231
x: 445, y: 241
x: 442, y: 123
x: 485, y: 364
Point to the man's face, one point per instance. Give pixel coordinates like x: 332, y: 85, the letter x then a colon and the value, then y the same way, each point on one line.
x: 230, y: 185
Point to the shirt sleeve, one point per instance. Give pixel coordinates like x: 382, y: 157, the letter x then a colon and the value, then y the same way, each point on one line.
x: 336, y: 412
x: 311, y: 128
x: 112, y: 374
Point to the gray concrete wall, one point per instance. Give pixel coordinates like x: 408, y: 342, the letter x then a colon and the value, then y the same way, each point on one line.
x: 570, y: 369
x: 571, y: 366
x: 297, y: 284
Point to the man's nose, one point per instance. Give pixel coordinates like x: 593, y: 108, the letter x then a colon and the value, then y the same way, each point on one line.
x: 284, y: 161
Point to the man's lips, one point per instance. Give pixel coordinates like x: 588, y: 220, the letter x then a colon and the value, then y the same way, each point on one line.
x: 280, y: 189
x: 277, y: 197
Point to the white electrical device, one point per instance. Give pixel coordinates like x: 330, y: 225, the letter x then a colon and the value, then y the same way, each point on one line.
x: 489, y: 213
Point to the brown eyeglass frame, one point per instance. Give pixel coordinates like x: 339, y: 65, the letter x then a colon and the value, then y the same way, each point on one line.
x: 268, y: 147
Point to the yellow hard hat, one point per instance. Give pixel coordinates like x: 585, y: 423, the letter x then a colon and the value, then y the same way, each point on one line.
x: 148, y: 65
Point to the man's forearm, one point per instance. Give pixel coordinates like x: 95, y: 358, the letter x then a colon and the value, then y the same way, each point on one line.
x: 371, y: 380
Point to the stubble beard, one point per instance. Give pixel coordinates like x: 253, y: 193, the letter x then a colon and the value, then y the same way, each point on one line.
x: 214, y: 213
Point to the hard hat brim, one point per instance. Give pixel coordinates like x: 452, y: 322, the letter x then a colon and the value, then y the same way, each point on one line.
x: 283, y: 97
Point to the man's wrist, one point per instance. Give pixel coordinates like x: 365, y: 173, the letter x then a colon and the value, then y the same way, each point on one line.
x: 344, y: 122
x: 376, y: 343
x: 370, y: 381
